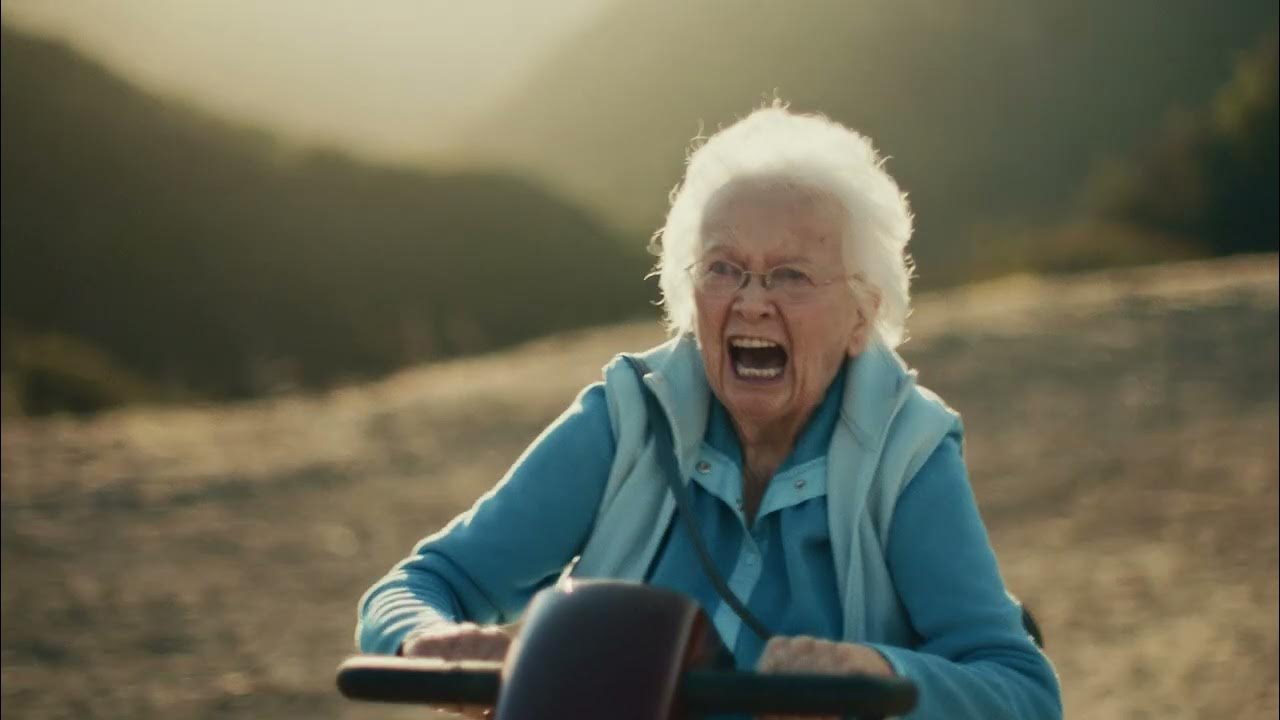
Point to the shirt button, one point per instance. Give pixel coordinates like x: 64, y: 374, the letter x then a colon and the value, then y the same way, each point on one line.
x: 703, y: 467
x: 751, y: 558
x: 740, y: 503
x: 800, y: 483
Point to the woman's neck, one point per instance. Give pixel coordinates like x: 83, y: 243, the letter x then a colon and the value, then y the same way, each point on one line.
x: 764, y: 449
x: 764, y: 458
x: 765, y: 446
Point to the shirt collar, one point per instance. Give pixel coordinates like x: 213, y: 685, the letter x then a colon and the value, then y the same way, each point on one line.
x: 812, y: 443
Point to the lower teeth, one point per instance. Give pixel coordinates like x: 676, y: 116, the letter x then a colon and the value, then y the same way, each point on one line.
x: 745, y: 371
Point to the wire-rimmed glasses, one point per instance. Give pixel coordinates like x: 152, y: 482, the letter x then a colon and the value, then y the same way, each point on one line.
x: 722, y: 278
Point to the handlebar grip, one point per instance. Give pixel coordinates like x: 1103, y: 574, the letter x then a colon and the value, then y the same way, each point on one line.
x: 711, y: 691
x: 419, y: 680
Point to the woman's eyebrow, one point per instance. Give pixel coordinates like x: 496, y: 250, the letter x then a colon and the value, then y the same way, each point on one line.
x: 718, y: 246
x: 717, y: 234
x: 779, y: 260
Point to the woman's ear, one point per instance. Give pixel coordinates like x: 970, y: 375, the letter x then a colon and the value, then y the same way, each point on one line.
x: 858, y: 338
x: 868, y: 307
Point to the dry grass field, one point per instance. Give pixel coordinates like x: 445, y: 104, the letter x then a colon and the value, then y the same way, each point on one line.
x: 205, y: 562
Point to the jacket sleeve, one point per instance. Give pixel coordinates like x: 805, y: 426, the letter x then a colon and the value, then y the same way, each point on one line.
x: 974, y: 660
x: 487, y: 564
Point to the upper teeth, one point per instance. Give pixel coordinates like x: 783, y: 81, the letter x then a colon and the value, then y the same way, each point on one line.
x: 752, y: 343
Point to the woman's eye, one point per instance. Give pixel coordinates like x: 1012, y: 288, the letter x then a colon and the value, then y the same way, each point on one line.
x: 721, y: 268
x: 791, y: 276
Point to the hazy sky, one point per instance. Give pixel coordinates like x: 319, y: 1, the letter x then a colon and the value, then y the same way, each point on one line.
x: 390, y: 79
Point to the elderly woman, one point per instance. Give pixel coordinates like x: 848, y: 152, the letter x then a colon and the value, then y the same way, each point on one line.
x: 829, y: 487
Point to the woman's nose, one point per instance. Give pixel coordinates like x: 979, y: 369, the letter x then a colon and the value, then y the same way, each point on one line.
x: 753, y: 300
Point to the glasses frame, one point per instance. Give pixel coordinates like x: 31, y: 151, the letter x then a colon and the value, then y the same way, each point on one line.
x: 765, y: 282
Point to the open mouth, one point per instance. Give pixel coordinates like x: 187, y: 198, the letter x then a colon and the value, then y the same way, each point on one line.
x: 757, y: 358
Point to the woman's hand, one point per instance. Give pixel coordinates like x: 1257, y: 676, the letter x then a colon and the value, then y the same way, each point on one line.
x: 463, y: 641
x: 821, y: 657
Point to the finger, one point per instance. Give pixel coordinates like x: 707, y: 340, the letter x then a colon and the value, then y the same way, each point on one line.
x: 805, y: 643
x: 432, y: 646
x: 482, y: 647
x: 463, y: 642
x: 773, y: 657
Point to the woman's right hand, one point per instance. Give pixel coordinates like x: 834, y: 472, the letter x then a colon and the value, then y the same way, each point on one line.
x: 462, y: 641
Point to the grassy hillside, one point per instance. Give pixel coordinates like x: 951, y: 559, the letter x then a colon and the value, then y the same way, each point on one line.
x: 146, y: 243
x: 151, y: 253
x: 205, y: 562
x: 993, y: 112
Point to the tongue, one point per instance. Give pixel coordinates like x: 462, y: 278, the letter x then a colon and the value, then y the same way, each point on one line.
x: 760, y: 358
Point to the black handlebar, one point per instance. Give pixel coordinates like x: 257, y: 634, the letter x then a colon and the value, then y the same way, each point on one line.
x: 425, y: 681
x: 712, y: 691
x: 433, y: 681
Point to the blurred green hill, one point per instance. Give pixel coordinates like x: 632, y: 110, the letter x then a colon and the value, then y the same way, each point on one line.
x: 153, y: 252
x: 995, y: 113
x: 1211, y: 175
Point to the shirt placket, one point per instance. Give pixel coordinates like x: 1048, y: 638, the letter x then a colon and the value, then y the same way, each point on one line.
x: 723, y: 480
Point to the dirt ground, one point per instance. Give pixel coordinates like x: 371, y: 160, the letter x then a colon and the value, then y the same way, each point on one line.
x: 205, y: 562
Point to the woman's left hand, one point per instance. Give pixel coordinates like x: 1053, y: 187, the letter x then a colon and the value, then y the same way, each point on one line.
x: 822, y: 657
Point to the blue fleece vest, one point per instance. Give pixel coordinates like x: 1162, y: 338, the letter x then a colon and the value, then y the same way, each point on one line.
x: 888, y: 427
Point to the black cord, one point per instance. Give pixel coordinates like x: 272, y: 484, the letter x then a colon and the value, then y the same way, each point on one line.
x: 661, y: 431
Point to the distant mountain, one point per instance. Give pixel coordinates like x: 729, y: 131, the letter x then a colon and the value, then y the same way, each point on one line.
x: 207, y: 257
x: 992, y: 111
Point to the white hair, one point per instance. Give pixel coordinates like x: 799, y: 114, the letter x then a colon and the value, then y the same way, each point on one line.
x: 810, y: 151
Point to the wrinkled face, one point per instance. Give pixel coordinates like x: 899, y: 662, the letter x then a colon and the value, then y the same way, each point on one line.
x: 768, y: 358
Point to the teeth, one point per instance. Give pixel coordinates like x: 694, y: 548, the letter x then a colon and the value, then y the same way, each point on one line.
x: 745, y: 371
x: 752, y: 343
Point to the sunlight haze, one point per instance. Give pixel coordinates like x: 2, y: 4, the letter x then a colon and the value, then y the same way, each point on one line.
x: 390, y: 80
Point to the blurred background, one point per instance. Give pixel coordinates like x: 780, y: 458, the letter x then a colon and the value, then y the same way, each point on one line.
x: 286, y: 285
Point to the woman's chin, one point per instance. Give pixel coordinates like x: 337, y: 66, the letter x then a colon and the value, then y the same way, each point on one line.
x: 756, y: 399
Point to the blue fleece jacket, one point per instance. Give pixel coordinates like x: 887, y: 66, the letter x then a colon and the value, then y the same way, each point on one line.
x: 970, y: 656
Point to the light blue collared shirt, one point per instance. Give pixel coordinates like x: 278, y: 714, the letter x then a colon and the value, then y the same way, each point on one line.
x: 780, y: 565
